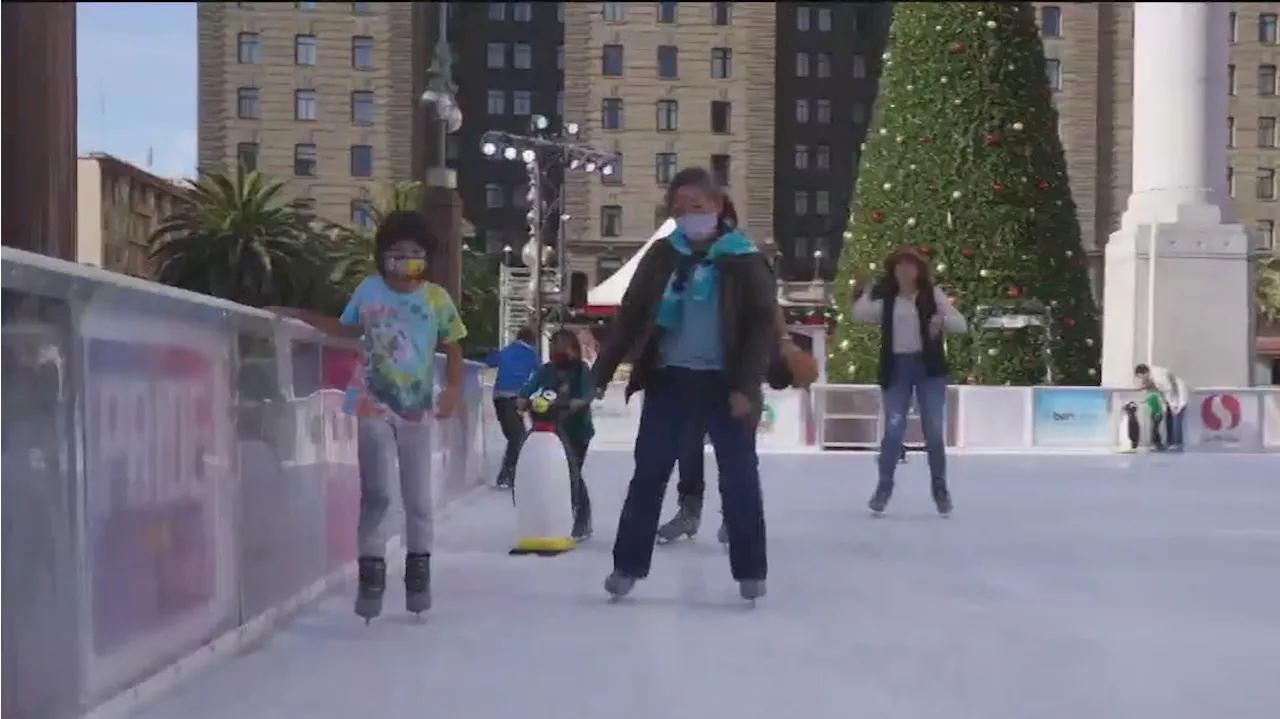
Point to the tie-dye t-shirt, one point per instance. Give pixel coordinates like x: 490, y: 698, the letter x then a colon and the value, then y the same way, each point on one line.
x: 400, y: 333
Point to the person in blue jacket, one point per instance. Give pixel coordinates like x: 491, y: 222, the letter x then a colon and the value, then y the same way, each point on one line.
x: 516, y: 363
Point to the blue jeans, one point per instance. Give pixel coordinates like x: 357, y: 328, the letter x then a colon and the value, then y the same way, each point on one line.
x: 1174, y: 420
x: 931, y: 397
x: 692, y: 467
x: 679, y: 403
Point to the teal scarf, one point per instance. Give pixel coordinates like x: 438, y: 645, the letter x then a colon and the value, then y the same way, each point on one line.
x: 703, y: 279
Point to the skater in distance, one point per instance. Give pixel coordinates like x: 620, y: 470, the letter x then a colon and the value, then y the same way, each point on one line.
x: 515, y: 363
x: 698, y: 319
x: 1175, y: 394
x: 401, y: 320
x: 912, y: 313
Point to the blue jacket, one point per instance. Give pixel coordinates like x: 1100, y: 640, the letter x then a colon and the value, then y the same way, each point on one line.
x: 516, y: 363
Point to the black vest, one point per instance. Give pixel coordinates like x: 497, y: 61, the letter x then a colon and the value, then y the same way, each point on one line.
x: 935, y: 357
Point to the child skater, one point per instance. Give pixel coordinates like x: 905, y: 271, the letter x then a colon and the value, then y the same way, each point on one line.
x: 400, y: 318
x: 569, y: 376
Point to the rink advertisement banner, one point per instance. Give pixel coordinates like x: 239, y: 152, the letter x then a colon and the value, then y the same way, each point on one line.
x: 1072, y: 418
x: 1271, y: 419
x: 1224, y: 421
x: 158, y: 459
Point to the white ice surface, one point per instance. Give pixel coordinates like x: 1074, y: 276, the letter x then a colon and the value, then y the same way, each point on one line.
x: 1108, y: 587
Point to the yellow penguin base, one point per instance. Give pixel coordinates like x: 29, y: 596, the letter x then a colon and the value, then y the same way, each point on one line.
x: 543, y: 546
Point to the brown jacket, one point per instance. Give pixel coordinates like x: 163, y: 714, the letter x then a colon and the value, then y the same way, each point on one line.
x: 748, y: 306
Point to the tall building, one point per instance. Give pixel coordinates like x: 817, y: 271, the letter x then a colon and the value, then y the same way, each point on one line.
x: 119, y: 206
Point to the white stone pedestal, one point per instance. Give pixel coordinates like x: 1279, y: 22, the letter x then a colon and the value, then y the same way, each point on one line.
x: 1179, y: 271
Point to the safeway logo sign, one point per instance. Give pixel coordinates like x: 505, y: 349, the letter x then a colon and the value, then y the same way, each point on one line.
x: 1220, y: 412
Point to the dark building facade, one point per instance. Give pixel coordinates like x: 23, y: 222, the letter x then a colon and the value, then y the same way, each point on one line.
x: 40, y: 127
x: 509, y: 68
x: 828, y: 63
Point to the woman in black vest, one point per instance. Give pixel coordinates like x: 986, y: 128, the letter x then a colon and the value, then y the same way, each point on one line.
x: 913, y: 314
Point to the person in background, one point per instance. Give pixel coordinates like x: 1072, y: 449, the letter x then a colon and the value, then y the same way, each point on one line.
x: 913, y: 314
x: 515, y: 363
x: 569, y: 376
x: 401, y: 320
x: 1175, y: 394
x: 698, y: 319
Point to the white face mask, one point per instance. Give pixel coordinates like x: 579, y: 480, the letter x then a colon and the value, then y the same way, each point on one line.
x: 698, y: 227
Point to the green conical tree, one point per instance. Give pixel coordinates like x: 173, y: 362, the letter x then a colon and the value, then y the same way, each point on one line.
x: 963, y: 161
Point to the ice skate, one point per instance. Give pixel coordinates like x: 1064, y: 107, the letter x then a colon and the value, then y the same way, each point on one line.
x: 619, y: 585
x: 751, y: 589
x: 504, y: 481
x: 686, y: 522
x: 941, y: 496
x: 880, y: 500
x: 582, y: 528
x: 417, y: 583
x: 372, y: 584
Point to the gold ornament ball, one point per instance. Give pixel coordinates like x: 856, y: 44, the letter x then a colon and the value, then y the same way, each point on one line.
x: 540, y: 405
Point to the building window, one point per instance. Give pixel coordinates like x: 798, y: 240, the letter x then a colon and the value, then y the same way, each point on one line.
x: 664, y: 167
x: 859, y: 67
x: 1231, y: 182
x: 822, y: 203
x: 611, y: 60
x: 497, y: 102
x: 802, y: 19
x: 560, y: 57
x: 859, y: 114
x: 721, y: 117
x: 1231, y: 132
x: 1267, y: 80
x: 305, y: 5
x: 607, y: 264
x: 498, y: 11
x: 824, y: 111
x: 802, y: 64
x: 248, y: 106
x: 1051, y: 21
x: 304, y: 105
x: 614, y: 177
x: 1267, y: 28
x: 451, y: 143
x: 668, y: 62
x: 304, y: 50
x: 305, y: 207
x: 721, y: 13
x: 522, y: 56
x: 362, y: 160
x: 824, y: 19
x: 362, y: 53
x: 1266, y: 132
x: 1231, y: 79
x: 822, y: 157
x: 1266, y: 189
x: 362, y: 107
x: 304, y: 160
x: 1053, y: 74
x: 667, y: 12
x: 800, y: 246
x: 1232, y: 24
x: 560, y: 12
x: 521, y: 102
x: 522, y: 12
x: 824, y: 64
x: 496, y: 54
x: 668, y: 115
x: 494, y: 196
x: 611, y: 221
x: 802, y: 110
x: 247, y: 156
x: 615, y: 12
x: 721, y: 63
x: 611, y: 113
x: 1266, y: 235
x: 250, y: 52
x: 802, y: 157
x: 801, y: 203
x: 721, y: 169
x: 361, y: 8
x: 362, y: 215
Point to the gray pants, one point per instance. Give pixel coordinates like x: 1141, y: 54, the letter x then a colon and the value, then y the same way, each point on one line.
x: 384, y: 443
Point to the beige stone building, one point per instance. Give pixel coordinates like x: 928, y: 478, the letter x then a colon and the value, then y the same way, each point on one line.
x: 118, y: 207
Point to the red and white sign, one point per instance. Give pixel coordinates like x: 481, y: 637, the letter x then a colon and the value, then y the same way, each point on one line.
x: 1224, y: 420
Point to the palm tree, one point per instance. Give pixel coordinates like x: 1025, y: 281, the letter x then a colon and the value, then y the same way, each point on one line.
x: 1268, y: 286
x: 238, y: 239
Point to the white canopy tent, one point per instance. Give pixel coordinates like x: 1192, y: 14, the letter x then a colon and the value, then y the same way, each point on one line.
x: 608, y: 294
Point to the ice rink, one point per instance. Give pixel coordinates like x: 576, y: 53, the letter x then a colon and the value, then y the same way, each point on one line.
x: 1064, y: 587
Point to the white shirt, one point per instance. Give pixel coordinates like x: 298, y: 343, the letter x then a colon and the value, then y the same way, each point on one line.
x: 906, y: 319
x: 1171, y: 387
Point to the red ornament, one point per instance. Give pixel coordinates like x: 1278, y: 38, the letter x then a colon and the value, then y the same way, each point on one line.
x: 1014, y: 292
x: 958, y: 47
x: 967, y: 252
x: 924, y: 249
x: 993, y: 140
x: 877, y: 216
x: 1071, y: 321
x: 1044, y: 185
x: 924, y: 138
x: 997, y: 187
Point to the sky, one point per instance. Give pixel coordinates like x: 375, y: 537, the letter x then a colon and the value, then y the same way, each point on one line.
x: 136, y: 64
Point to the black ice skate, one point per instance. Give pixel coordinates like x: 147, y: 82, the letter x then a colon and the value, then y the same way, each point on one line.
x: 619, y: 585
x: 582, y: 528
x: 880, y: 500
x: 372, y: 584
x: 941, y: 496
x: 751, y: 589
x: 417, y: 583
x: 686, y: 522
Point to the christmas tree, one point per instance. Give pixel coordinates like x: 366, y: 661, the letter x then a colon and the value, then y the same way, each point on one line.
x: 963, y: 162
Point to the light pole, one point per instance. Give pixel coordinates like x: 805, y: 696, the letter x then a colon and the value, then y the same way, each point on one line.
x: 817, y: 265
x: 540, y: 151
x: 440, y: 198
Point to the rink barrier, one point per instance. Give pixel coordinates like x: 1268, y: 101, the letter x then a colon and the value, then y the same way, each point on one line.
x: 178, y: 476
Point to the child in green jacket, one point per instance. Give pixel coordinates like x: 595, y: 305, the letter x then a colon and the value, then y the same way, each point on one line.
x: 571, y: 379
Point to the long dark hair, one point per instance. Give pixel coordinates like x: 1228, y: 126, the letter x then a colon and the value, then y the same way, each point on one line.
x: 888, y: 284
x: 700, y: 178
x: 569, y: 338
x: 399, y: 226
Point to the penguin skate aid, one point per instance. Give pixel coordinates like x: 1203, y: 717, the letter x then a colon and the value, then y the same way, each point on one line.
x: 698, y: 320
x: 401, y: 320
x: 553, y: 506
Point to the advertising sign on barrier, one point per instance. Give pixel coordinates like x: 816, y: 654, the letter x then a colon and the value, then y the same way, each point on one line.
x: 1224, y: 420
x: 1271, y: 420
x: 1072, y: 417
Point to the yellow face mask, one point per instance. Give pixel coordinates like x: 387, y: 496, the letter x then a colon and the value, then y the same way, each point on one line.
x: 407, y: 267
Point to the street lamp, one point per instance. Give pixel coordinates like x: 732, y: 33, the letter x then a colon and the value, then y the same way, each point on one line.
x: 817, y: 265
x: 440, y: 199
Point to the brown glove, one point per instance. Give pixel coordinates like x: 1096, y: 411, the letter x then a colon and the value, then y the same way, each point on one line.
x: 803, y: 366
